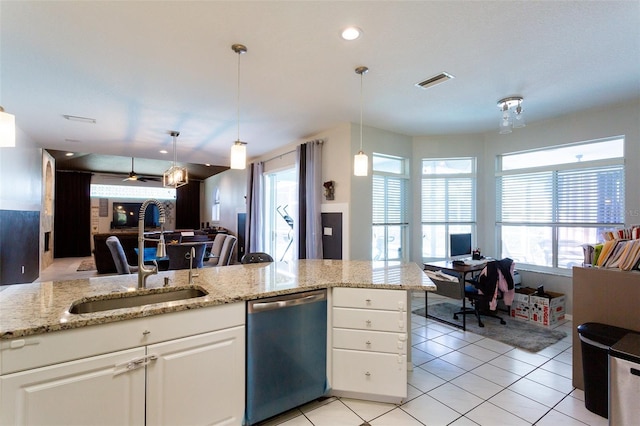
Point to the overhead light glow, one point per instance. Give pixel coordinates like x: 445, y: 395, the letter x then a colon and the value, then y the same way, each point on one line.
x: 351, y: 33
x: 164, y: 151
x: 69, y: 154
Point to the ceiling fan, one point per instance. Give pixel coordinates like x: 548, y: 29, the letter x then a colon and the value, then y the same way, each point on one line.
x: 136, y: 177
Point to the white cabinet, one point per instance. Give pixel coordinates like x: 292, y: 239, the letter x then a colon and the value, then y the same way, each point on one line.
x: 90, y: 391
x: 369, y: 343
x: 184, y: 367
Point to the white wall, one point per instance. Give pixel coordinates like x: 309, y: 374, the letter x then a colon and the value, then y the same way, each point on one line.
x: 232, y: 185
x: 21, y: 175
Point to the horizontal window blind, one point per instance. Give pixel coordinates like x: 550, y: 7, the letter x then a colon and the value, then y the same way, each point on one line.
x: 448, y: 199
x: 389, y: 200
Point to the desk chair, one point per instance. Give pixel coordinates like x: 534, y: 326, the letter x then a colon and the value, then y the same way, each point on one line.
x: 257, y: 257
x: 179, y: 255
x: 482, y: 289
x: 119, y: 258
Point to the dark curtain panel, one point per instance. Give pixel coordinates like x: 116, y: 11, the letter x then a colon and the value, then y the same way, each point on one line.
x: 188, y: 206
x: 72, y: 213
x: 302, y: 206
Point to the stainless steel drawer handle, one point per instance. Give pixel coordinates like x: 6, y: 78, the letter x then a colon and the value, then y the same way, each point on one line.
x: 367, y: 374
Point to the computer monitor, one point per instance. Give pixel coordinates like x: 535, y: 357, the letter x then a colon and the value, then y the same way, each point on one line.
x: 460, y: 246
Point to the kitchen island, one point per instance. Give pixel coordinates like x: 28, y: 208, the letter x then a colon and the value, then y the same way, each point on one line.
x: 183, y: 360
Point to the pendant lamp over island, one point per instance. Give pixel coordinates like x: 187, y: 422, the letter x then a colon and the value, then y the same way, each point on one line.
x: 361, y: 161
x: 239, y: 148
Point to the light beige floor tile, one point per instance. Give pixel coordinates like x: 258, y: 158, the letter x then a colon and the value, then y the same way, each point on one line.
x: 494, y: 345
x: 552, y: 380
x: 423, y: 380
x: 419, y: 357
x: 467, y: 336
x: 519, y: 405
x: 455, y: 397
x: 451, y: 342
x: 496, y: 375
x: 433, y: 348
x: 463, y: 421
x: 461, y: 360
x: 477, y: 385
x: 443, y: 369
x: 528, y: 357
x: 479, y: 352
x: 575, y: 408
x: 557, y: 367
x: 333, y: 414
x: 395, y: 417
x: 513, y: 365
x: 430, y: 411
x: 556, y: 418
x: 491, y: 415
x: 537, y: 392
x: 367, y: 410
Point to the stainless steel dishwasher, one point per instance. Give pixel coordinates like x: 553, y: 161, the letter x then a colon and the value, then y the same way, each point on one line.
x: 286, y: 353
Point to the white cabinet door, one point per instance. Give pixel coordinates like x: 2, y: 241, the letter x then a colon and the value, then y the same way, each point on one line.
x: 198, y: 379
x: 370, y: 373
x: 98, y: 390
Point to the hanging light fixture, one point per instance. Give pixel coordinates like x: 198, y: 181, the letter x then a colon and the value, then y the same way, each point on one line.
x: 7, y: 129
x: 239, y: 148
x: 175, y: 176
x: 512, y: 117
x: 361, y: 161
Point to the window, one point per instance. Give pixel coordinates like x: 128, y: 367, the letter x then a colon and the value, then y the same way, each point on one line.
x: 390, y: 223
x: 448, y: 203
x: 281, y: 209
x: 551, y: 201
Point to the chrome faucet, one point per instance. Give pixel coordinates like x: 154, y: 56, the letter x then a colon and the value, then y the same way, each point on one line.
x: 144, y: 272
x: 192, y: 254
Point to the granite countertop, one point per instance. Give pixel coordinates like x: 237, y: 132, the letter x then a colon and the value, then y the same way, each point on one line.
x: 29, y: 309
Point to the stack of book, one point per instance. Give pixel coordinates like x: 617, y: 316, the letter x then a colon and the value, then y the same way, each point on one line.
x: 620, y: 250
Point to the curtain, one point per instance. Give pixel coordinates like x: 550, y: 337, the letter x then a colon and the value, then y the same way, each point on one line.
x: 72, y: 213
x: 188, y: 206
x: 255, y: 209
x: 309, y: 166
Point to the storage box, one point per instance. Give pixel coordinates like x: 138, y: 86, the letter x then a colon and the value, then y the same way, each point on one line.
x: 547, y: 311
x: 520, y: 306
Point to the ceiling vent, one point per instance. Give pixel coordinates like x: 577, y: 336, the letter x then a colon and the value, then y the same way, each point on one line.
x: 436, y: 79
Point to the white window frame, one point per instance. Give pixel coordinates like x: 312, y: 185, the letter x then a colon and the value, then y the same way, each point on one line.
x: 558, y: 213
x: 381, y: 244
x: 446, y: 222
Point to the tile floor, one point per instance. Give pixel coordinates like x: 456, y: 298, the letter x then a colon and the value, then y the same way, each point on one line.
x: 459, y: 378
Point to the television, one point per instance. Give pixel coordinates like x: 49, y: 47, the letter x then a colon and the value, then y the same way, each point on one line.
x: 126, y: 215
x: 460, y: 246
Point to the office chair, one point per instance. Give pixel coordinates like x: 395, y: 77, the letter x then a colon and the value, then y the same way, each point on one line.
x: 119, y: 258
x: 257, y: 257
x: 180, y: 255
x: 484, y: 290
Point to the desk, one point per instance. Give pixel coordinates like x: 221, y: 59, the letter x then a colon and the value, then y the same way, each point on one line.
x: 462, y: 271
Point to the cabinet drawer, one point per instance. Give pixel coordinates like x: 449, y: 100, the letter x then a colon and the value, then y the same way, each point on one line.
x: 366, y: 298
x: 370, y: 372
x: 369, y: 319
x: 373, y: 341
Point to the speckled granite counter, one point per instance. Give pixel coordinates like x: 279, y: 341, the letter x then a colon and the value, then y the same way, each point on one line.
x: 28, y: 309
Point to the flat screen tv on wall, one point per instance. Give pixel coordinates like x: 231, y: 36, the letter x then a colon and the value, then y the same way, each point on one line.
x: 125, y: 215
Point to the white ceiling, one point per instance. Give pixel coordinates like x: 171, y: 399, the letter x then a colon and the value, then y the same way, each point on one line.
x: 144, y: 68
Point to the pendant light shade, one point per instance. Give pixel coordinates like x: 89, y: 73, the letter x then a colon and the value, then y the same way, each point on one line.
x: 175, y: 176
x: 7, y: 129
x: 361, y: 161
x: 511, y: 114
x: 239, y: 148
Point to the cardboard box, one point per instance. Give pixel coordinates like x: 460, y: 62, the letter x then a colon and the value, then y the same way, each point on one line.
x: 545, y: 311
x: 520, y: 306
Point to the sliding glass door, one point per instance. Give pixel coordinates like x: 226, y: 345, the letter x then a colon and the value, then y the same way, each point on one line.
x: 281, y: 205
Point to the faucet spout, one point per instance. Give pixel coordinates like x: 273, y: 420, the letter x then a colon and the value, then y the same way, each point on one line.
x: 143, y: 271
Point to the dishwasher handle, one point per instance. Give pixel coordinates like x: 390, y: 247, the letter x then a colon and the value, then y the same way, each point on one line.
x: 285, y: 302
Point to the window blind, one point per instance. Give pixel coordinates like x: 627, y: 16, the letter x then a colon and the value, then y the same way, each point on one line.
x: 389, y: 200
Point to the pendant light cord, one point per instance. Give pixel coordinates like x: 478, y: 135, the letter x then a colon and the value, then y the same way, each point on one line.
x: 238, y: 100
x: 361, y: 100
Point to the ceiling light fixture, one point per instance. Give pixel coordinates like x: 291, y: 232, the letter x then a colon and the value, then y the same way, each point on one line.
x: 175, y: 176
x: 361, y: 161
x: 80, y: 119
x: 511, y: 114
x: 351, y: 33
x: 239, y: 148
x: 7, y: 129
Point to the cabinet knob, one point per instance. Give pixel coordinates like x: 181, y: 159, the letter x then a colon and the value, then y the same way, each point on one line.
x: 367, y: 374
x: 146, y: 332
x: 368, y: 343
x: 368, y: 323
x: 368, y: 301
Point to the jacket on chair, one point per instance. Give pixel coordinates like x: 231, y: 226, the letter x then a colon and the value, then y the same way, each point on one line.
x: 497, y: 276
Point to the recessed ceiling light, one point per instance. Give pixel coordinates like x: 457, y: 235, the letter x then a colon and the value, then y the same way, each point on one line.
x: 164, y: 151
x: 351, y: 33
x: 81, y: 119
x: 69, y: 154
x: 207, y: 164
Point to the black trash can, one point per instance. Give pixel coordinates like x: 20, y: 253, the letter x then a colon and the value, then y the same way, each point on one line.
x: 595, y: 341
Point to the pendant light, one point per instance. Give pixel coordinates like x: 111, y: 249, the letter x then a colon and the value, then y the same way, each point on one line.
x: 239, y: 148
x: 361, y: 161
x: 175, y: 176
x: 7, y: 129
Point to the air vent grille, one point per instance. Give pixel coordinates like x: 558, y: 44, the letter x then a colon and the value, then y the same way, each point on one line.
x: 436, y: 79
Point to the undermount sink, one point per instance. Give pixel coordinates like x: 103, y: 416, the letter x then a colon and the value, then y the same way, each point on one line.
x: 132, y: 300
